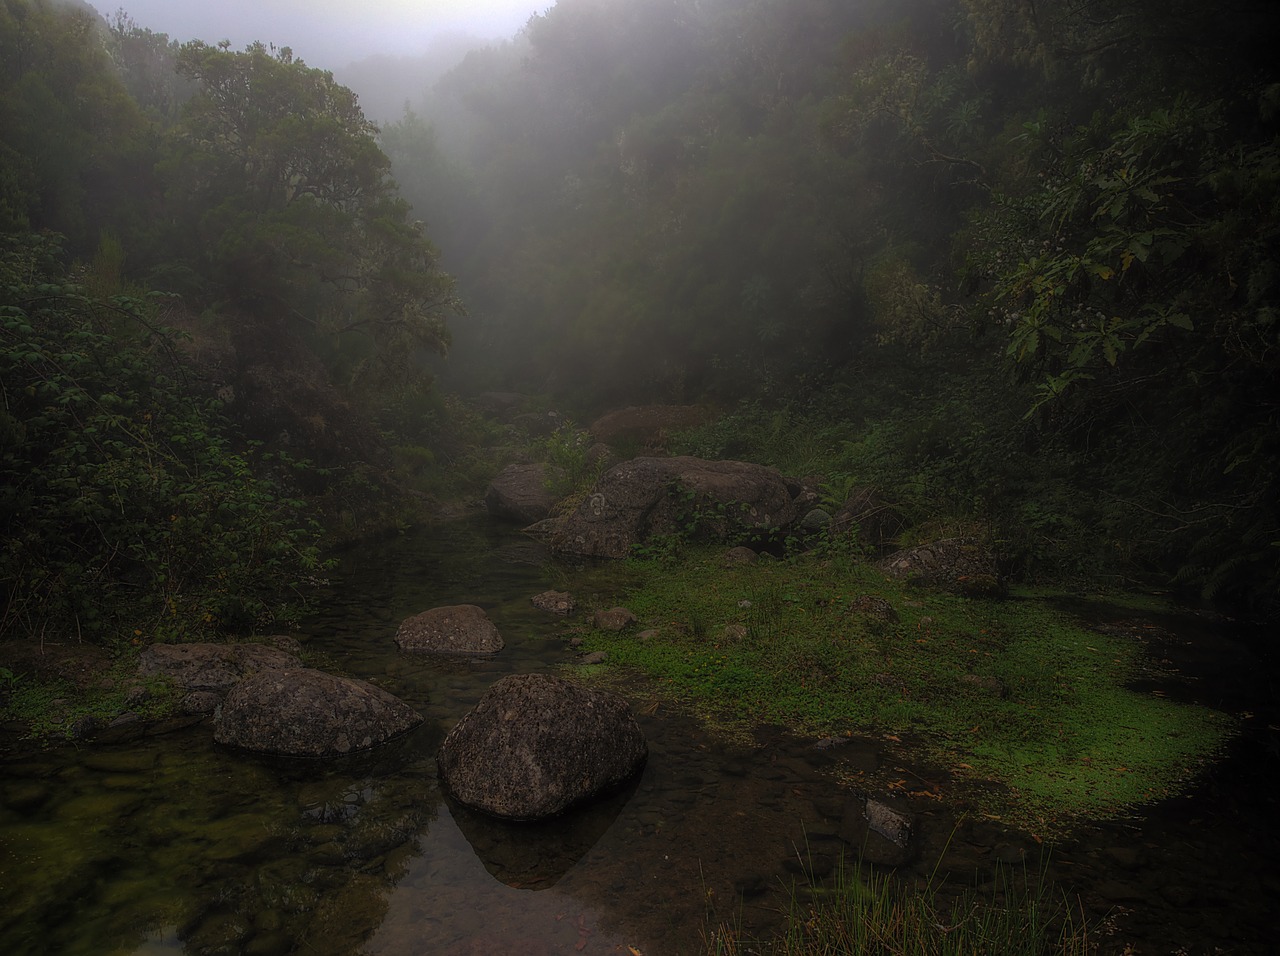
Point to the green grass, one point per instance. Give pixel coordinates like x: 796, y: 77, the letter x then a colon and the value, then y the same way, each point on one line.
x: 1045, y: 712
x: 867, y: 912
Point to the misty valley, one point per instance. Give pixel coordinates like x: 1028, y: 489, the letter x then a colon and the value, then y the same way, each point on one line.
x: 680, y: 477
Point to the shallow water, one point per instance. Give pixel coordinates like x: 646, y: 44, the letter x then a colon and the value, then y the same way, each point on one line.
x: 170, y: 844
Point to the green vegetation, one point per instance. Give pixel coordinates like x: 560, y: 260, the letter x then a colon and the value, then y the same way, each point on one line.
x: 124, y: 507
x: 868, y: 912
x: 1007, y: 691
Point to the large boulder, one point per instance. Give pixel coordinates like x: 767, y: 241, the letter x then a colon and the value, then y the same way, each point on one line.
x: 536, y: 744
x: 300, y: 712
x: 454, y: 629
x: 522, y: 493
x: 211, y: 667
x: 645, y: 497
x: 960, y: 565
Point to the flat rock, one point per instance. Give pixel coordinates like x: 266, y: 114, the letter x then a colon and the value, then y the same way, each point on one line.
x: 301, y: 712
x: 454, y: 629
x: 211, y: 667
x: 521, y: 492
x: 536, y: 745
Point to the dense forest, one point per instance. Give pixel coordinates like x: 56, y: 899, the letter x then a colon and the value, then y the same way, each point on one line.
x: 1016, y: 264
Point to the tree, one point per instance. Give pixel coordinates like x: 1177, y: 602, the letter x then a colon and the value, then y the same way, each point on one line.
x: 297, y: 218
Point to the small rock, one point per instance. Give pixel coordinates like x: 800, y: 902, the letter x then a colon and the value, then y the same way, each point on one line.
x: 735, y: 632
x: 739, y: 556
x: 456, y: 629
x: 554, y: 602
x: 595, y: 657
x: 614, y: 619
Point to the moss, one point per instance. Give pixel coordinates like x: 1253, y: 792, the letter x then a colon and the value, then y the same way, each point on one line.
x: 1012, y: 691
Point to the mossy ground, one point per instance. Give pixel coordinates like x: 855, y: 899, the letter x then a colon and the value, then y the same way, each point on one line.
x: 1011, y: 691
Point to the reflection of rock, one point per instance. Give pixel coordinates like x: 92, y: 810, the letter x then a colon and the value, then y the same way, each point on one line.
x: 535, y: 855
x: 305, y: 713
x: 536, y: 744
x: 456, y: 629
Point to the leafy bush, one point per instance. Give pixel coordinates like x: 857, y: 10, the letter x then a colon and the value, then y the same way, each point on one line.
x: 123, y: 506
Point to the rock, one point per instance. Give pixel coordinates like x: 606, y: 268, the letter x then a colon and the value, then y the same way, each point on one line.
x: 646, y: 425
x: 876, y: 608
x: 889, y: 823
x: 880, y: 835
x: 595, y: 657
x: 305, y: 713
x: 538, y: 424
x: 734, y: 633
x: 816, y: 520
x: 554, y: 602
x: 536, y: 745
x: 739, y: 555
x: 645, y: 497
x: 454, y: 629
x: 991, y: 686
x: 614, y: 619
x: 522, y: 493
x: 199, y: 702
x: 877, y: 521
x: 211, y: 667
x: 503, y: 405
x: 960, y: 565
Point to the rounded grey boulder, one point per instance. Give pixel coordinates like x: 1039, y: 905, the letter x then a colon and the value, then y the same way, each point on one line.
x: 536, y: 745
x: 455, y: 629
x: 300, y: 712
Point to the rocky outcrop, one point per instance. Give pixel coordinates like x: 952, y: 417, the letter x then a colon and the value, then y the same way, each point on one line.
x: 654, y: 496
x: 300, y: 712
x: 455, y: 629
x: 961, y: 565
x: 212, y: 668
x: 646, y: 425
x: 521, y: 493
x: 536, y: 744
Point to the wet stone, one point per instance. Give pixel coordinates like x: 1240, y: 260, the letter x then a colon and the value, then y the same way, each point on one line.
x: 24, y: 797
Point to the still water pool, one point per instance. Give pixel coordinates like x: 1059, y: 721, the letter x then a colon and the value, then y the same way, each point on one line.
x: 171, y: 844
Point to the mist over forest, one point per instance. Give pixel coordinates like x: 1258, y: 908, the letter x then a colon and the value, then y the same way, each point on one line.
x: 1013, y: 263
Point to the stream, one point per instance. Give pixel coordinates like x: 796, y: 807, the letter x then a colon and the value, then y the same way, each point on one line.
x: 170, y: 844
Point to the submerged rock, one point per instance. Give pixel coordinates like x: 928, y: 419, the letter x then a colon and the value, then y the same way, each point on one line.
x: 301, y: 712
x: 536, y: 744
x: 454, y: 629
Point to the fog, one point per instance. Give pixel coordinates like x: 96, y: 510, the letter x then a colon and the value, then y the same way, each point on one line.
x: 330, y: 33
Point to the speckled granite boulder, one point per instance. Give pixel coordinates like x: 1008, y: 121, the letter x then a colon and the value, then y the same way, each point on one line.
x: 455, y: 629
x: 301, y: 712
x: 536, y: 744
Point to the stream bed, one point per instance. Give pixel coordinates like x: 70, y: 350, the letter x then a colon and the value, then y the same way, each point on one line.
x: 171, y: 844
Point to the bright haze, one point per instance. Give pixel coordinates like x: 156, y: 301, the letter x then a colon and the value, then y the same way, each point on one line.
x: 329, y: 33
